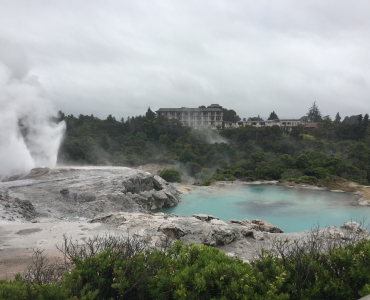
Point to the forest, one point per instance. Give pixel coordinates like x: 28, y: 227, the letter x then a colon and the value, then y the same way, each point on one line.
x: 332, y: 151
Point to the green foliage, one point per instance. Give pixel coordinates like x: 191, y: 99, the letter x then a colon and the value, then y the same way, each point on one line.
x: 141, y: 136
x: 201, y: 272
x: 258, y: 118
x: 163, y: 139
x: 170, y: 175
x: 267, y: 171
x: 308, y: 137
x: 230, y: 115
x: 22, y: 289
x: 303, y: 162
x: 287, y: 160
x: 258, y: 157
x: 207, y: 182
x: 297, y: 269
x: 291, y: 174
x: 337, y: 118
x: 314, y: 114
x: 273, y: 116
x: 187, y: 155
x: 343, y: 148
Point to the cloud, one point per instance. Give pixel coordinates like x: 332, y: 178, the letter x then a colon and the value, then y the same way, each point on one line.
x: 119, y: 57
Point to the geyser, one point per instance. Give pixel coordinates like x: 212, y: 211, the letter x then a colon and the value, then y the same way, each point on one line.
x: 29, y: 135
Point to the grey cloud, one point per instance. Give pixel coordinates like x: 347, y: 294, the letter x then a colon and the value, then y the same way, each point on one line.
x: 14, y: 57
x: 119, y: 57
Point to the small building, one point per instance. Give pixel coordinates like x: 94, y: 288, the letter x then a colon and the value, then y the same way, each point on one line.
x: 285, y: 124
x: 210, y: 117
x: 311, y: 125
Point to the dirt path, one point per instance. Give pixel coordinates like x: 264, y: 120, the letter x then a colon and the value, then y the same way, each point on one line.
x: 17, y: 240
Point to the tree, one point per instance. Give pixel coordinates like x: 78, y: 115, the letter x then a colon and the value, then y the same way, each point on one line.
x: 314, y: 114
x: 61, y: 115
x: 255, y: 118
x: 359, y: 119
x: 337, y: 118
x: 352, y: 120
x: 187, y: 155
x: 108, y: 119
x: 363, y: 123
x: 273, y: 116
x: 150, y: 115
x: 230, y: 115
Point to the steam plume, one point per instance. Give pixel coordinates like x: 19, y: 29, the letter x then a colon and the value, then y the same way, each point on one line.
x: 29, y: 136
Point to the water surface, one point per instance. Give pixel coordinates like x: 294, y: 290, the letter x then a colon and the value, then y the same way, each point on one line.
x: 291, y: 209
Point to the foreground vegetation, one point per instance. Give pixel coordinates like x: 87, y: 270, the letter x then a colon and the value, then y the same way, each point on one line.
x: 335, y: 149
x: 317, y: 267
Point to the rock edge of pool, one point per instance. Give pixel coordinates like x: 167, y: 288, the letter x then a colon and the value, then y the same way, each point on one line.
x: 37, y: 210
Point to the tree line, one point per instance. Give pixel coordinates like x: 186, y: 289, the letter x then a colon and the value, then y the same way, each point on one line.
x: 333, y: 150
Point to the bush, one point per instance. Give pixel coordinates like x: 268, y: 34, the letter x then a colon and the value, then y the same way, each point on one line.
x: 318, y: 172
x: 291, y: 173
x: 202, y: 272
x: 317, y: 266
x: 187, y: 155
x: 170, y: 175
x: 266, y: 171
x: 207, y: 182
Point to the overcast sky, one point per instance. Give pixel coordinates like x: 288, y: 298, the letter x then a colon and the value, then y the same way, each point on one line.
x: 120, y: 57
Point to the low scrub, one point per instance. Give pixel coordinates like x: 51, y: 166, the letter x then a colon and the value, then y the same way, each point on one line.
x: 323, y: 265
x: 170, y: 175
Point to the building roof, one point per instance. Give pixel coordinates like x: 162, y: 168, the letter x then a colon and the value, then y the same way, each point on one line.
x: 267, y: 121
x: 311, y: 125
x: 186, y: 109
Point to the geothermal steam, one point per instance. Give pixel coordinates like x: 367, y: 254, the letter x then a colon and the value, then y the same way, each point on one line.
x: 29, y: 135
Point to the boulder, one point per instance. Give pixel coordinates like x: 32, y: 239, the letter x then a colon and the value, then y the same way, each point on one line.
x: 204, y: 217
x: 257, y: 235
x: 216, y: 236
x: 244, y: 222
x: 352, y: 226
x: 172, y: 231
x: 64, y: 191
x: 265, y: 226
x: 218, y: 222
x: 26, y: 208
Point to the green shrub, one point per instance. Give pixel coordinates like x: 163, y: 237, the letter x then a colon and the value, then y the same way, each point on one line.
x: 170, y: 175
x: 303, y: 162
x: 219, y: 177
x: 318, y: 172
x: 202, y: 272
x: 290, y: 269
x: 187, y: 155
x: 266, y: 171
x: 207, y: 182
x: 291, y: 173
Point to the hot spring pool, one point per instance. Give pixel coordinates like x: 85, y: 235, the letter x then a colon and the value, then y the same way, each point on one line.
x: 288, y: 208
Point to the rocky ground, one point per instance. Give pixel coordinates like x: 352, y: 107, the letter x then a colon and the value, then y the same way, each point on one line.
x: 80, y: 202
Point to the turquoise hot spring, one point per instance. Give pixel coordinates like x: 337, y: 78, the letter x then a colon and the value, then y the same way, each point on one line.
x: 291, y: 209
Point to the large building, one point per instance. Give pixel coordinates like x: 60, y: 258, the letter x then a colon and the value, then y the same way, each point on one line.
x: 202, y: 116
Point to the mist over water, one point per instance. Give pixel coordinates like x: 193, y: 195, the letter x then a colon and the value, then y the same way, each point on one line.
x: 29, y: 135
